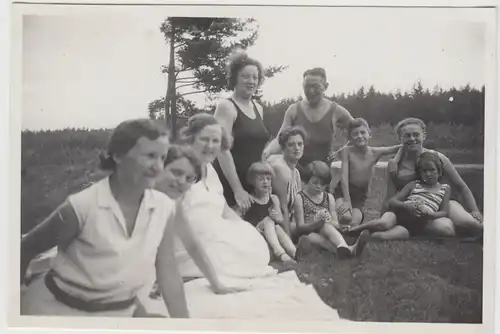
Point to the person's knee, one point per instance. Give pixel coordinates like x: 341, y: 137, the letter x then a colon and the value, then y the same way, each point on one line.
x: 356, y: 217
x: 382, y: 225
x: 345, y: 218
x: 444, y: 227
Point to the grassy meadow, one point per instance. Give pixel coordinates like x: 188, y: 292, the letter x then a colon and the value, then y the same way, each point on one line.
x: 417, y: 280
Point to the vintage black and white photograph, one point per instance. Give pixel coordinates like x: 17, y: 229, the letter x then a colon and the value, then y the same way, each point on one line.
x: 272, y: 163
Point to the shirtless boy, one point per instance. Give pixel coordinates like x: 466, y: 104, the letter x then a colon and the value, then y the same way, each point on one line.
x: 358, y: 162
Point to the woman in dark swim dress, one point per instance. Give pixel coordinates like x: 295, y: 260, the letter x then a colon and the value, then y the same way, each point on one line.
x: 242, y: 117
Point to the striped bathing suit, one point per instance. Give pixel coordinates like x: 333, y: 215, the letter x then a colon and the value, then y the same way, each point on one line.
x: 431, y: 201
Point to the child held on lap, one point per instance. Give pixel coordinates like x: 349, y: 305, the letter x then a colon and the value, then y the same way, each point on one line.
x: 316, y: 216
x: 265, y: 213
x: 358, y: 162
x: 419, y: 202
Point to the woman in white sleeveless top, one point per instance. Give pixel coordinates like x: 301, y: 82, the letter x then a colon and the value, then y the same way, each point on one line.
x: 109, y: 236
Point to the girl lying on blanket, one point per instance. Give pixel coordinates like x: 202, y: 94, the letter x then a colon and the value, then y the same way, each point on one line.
x: 419, y: 204
x: 316, y: 216
x: 265, y: 212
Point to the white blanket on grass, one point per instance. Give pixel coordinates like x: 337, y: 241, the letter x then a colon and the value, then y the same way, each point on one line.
x: 277, y: 297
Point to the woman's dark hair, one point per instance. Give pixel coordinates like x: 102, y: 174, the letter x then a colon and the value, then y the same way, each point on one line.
x: 407, y: 121
x: 289, y: 132
x: 430, y: 156
x: 177, y: 152
x: 126, y: 135
x: 196, y: 124
x: 236, y: 63
x: 356, y: 123
x: 320, y: 170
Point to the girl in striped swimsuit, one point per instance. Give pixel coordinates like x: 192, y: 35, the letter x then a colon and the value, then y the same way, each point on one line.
x: 421, y: 201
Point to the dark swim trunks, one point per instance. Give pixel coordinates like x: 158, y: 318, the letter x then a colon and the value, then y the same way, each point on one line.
x: 414, y: 225
x: 358, y: 195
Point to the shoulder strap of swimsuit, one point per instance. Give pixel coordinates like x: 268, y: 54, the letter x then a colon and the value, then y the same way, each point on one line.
x: 235, y: 105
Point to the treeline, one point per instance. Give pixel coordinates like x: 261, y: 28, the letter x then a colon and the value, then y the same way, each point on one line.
x: 464, y: 106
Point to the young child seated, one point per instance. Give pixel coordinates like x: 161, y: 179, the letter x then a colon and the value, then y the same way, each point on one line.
x: 315, y: 214
x: 265, y: 213
x: 419, y: 203
x: 358, y: 162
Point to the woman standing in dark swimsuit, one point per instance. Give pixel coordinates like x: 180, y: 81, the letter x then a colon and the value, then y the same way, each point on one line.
x: 243, y: 118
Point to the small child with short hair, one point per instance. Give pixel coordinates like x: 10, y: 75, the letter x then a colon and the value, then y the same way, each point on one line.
x: 358, y: 162
x: 265, y: 213
x: 316, y: 216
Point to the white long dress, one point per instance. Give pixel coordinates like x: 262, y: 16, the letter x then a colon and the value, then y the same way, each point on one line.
x: 240, y: 256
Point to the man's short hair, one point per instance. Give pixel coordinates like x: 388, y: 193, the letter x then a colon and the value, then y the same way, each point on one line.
x: 317, y: 71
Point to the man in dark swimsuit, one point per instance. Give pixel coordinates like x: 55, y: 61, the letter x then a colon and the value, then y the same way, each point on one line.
x: 318, y: 116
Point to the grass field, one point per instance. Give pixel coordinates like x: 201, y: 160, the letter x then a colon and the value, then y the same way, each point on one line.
x: 418, y: 280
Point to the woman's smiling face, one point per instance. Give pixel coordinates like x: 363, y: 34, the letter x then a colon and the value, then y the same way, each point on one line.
x: 177, y: 177
x: 412, y: 137
x: 207, y: 143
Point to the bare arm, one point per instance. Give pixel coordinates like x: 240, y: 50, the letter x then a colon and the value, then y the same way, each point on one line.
x: 342, y: 117
x: 168, y: 276
x: 274, y: 147
x: 302, y: 227
x: 344, y: 181
x: 278, y: 216
x: 380, y: 151
x: 397, y: 202
x: 391, y: 188
x: 333, y: 211
x: 59, y: 229
x: 457, y: 181
x: 226, y: 116
x: 279, y: 189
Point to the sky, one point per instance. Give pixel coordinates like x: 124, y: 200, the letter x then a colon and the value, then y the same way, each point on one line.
x: 94, y: 70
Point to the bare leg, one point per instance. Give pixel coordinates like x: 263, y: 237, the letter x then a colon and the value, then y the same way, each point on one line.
x: 333, y: 235
x: 285, y: 241
x: 335, y: 238
x: 321, y: 241
x: 384, y: 223
x: 273, y: 241
x: 463, y: 220
x: 442, y: 227
x: 395, y: 233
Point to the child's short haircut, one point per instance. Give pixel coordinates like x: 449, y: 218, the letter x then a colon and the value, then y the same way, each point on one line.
x: 429, y: 156
x: 320, y: 170
x: 356, y: 123
x: 259, y: 168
